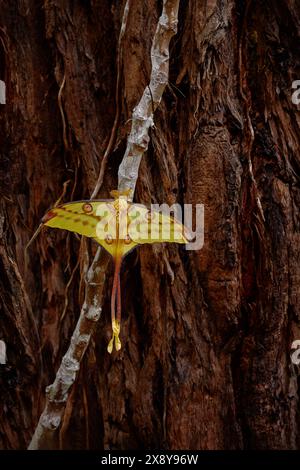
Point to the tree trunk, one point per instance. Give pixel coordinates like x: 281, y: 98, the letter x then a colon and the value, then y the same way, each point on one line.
x: 205, y: 361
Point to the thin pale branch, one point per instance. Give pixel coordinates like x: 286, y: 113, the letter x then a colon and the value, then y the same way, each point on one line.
x: 142, y: 117
x: 46, y: 433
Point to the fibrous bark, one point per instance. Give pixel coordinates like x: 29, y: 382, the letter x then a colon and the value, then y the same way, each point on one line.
x: 46, y: 433
x: 205, y: 360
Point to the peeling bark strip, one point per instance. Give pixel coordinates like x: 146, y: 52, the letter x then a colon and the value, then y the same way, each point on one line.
x: 46, y: 435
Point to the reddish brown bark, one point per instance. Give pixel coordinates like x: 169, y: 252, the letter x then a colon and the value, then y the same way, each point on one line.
x: 205, y: 361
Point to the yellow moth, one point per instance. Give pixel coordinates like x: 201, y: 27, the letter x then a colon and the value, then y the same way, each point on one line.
x: 118, y: 226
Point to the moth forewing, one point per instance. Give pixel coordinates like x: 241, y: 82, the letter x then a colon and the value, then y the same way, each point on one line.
x: 155, y: 225
x: 168, y: 231
x: 171, y: 229
x: 178, y: 232
x: 66, y: 218
x: 137, y: 223
x: 107, y: 224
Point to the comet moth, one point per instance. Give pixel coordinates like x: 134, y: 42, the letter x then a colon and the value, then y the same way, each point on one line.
x: 118, y: 226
